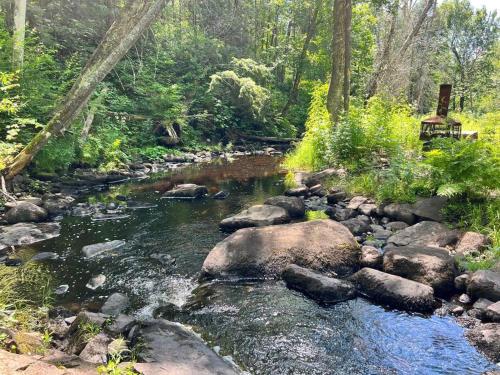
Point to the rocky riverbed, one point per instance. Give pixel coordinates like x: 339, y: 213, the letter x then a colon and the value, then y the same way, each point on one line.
x: 397, y: 256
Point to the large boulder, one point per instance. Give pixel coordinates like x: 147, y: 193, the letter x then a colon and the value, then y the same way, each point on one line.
x: 187, y: 191
x: 425, y: 233
x: 484, y: 284
x: 96, y: 350
x: 56, y: 204
x: 25, y: 212
x: 400, y: 212
x: 358, y: 225
x: 299, y: 191
x: 427, y: 265
x: 92, y: 250
x: 322, y: 245
x: 27, y: 234
x: 430, y: 208
x: 356, y: 202
x: 256, y: 216
x: 394, y: 290
x: 322, y: 176
x: 293, y: 205
x: 370, y: 257
x: 487, y: 338
x: 169, y: 349
x: 493, y: 312
x: 115, y: 304
x: 317, y: 286
x: 471, y: 242
x: 340, y: 214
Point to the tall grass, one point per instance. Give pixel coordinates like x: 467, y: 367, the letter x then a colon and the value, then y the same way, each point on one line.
x: 25, y: 296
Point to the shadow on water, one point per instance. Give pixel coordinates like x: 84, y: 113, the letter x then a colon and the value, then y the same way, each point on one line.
x: 267, y: 328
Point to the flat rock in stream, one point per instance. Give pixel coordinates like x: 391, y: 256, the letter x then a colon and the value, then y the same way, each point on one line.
x: 96, y: 282
x: 255, y: 216
x: 187, y: 191
x: 425, y: 233
x: 322, y: 245
x: 46, y: 255
x: 427, y: 265
x: 293, y: 205
x: 172, y: 349
x: 27, y: 234
x: 25, y: 212
x: 92, y: 250
x: 115, y: 304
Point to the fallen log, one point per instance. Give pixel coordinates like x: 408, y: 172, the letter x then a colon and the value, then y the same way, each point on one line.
x: 277, y: 140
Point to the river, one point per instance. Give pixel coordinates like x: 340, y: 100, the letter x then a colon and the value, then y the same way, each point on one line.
x: 263, y: 326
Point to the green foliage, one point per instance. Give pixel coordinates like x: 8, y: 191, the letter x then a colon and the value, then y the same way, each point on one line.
x: 242, y: 92
x: 89, y: 330
x: 314, y: 150
x: 315, y: 215
x: 384, y: 128
x: 463, y: 167
x: 25, y: 296
x: 482, y: 216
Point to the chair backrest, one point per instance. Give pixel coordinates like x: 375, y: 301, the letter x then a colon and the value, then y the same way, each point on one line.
x: 444, y: 100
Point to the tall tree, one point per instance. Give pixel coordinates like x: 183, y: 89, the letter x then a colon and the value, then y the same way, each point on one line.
x: 338, y: 91
x: 311, y: 30
x: 19, y: 34
x: 134, y: 19
x: 471, y: 36
x: 388, y: 60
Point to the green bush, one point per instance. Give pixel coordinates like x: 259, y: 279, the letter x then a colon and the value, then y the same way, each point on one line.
x: 382, y: 129
x: 463, y: 167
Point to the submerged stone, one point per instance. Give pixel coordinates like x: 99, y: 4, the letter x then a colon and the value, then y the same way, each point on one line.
x: 92, y: 250
x: 96, y: 282
x: 27, y: 233
x: 169, y: 349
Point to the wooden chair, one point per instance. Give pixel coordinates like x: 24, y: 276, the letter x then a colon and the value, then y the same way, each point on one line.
x: 440, y: 125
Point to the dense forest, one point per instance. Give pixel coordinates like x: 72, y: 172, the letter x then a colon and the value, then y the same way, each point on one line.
x: 107, y: 88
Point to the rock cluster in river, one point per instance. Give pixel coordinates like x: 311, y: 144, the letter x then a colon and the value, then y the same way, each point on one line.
x: 407, y: 259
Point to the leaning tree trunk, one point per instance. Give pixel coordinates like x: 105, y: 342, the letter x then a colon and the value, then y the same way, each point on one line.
x: 19, y: 34
x: 311, y: 30
x: 340, y: 79
x: 121, y: 36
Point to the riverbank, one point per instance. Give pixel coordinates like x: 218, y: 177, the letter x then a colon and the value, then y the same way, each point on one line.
x: 200, y: 301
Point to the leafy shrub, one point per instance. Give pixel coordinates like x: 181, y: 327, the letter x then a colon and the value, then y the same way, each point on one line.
x: 383, y: 129
x: 315, y: 149
x: 463, y: 167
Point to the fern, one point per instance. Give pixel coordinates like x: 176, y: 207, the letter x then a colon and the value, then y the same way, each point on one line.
x: 450, y: 190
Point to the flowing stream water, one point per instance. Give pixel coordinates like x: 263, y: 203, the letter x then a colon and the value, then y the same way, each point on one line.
x: 265, y: 327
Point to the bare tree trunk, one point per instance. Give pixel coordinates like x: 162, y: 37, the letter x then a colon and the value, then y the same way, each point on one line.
x: 121, y: 36
x: 87, y: 124
x: 347, y: 51
x: 339, y: 82
x: 384, y: 58
x: 389, y: 62
x: 311, y: 30
x: 19, y: 34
